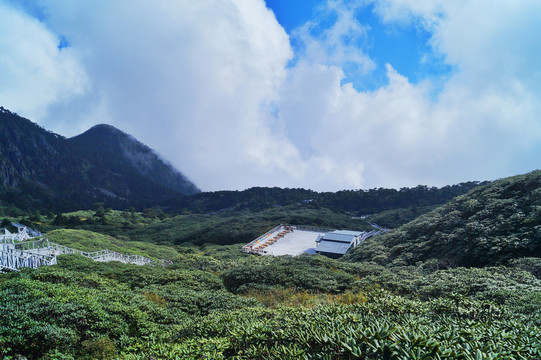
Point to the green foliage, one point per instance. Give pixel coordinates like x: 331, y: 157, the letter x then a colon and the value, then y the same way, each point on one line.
x: 384, y: 327
x: 315, y: 308
x: 90, y: 241
x: 489, y: 226
x: 238, y: 227
x: 395, y: 218
x: 300, y: 273
x: 358, y: 202
x: 93, y: 311
x: 529, y: 264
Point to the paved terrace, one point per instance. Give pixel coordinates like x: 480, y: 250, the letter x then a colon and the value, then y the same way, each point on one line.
x: 286, y: 240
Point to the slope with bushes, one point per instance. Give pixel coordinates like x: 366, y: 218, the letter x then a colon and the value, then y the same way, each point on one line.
x: 488, y: 226
x: 221, y: 304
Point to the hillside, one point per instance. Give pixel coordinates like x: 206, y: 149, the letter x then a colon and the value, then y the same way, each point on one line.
x: 43, y: 170
x: 224, y: 228
x: 408, y: 201
x: 215, y: 302
x: 488, y: 226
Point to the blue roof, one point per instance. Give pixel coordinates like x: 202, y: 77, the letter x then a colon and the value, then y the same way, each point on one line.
x: 345, y: 236
x: 347, y: 232
x: 333, y: 247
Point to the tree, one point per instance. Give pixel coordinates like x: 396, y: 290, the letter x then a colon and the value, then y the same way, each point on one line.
x: 99, y: 210
x: 5, y: 223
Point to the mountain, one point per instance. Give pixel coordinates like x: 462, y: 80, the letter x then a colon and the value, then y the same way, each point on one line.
x: 490, y: 225
x: 43, y: 170
x: 110, y: 150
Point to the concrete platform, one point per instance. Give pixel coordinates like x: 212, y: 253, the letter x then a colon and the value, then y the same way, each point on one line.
x: 294, y: 243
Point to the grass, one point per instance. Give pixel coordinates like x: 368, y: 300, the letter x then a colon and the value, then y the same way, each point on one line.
x: 91, y: 241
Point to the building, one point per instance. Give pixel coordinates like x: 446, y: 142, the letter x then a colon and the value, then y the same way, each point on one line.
x: 338, y: 242
x: 296, y: 240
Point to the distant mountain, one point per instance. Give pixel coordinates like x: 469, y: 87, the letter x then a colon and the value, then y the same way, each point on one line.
x: 415, y: 200
x: 43, y: 170
x: 110, y: 149
x: 488, y: 226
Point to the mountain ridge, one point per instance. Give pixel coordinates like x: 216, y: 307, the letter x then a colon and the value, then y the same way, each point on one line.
x: 43, y: 170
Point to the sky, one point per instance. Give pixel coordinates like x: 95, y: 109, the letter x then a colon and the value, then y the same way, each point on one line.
x: 325, y: 94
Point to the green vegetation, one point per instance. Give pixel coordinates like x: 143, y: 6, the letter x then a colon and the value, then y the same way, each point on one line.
x: 249, y: 307
x: 459, y: 282
x: 90, y: 241
x: 233, y: 227
x: 354, y: 202
x: 223, y: 228
x: 395, y: 218
x: 489, y: 226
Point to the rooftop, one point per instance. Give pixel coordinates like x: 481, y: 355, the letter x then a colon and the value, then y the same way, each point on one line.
x: 333, y: 247
x: 345, y: 236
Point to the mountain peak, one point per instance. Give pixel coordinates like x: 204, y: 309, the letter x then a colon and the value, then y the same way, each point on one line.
x: 102, y: 130
x: 103, y: 127
x: 115, y: 148
x: 103, y: 164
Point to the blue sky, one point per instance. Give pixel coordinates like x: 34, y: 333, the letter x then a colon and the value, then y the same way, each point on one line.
x: 327, y: 94
x: 405, y: 46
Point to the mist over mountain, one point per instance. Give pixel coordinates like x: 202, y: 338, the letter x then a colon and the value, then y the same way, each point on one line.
x: 43, y: 170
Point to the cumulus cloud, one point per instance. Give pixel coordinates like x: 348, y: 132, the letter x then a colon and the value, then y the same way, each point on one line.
x: 341, y: 44
x: 482, y: 124
x: 34, y: 72
x: 194, y: 80
x: 214, y: 86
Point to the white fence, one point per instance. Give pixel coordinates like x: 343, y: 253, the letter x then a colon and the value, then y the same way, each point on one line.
x: 43, y: 252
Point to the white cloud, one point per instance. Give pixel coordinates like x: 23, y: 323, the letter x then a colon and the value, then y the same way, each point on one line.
x: 341, y: 44
x: 191, y: 79
x: 33, y: 71
x: 482, y: 125
x: 207, y: 84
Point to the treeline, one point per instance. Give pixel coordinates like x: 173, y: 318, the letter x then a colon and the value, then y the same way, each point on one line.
x: 30, y: 196
x: 358, y: 202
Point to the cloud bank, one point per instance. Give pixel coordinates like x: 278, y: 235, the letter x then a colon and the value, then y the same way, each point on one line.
x: 217, y: 89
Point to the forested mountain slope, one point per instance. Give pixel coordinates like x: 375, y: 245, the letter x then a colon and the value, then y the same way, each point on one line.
x: 112, y: 151
x: 43, y: 170
x: 355, y: 202
x: 488, y: 226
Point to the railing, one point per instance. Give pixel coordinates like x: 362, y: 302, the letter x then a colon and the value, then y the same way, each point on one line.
x: 13, y: 259
x: 312, y: 228
x: 43, y: 252
x: 248, y: 247
x: 4, y: 268
x: 7, y: 239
